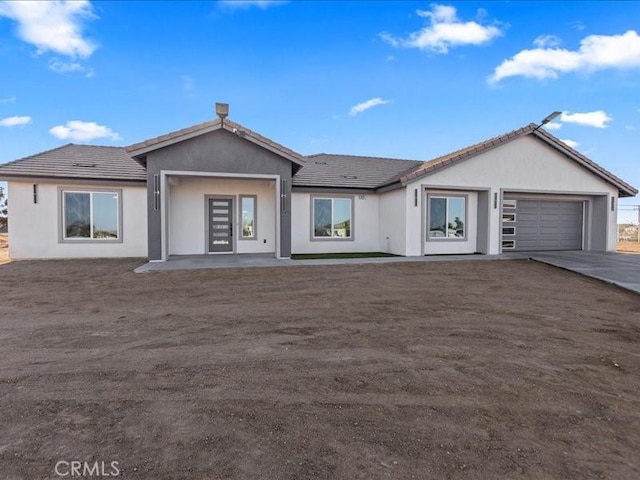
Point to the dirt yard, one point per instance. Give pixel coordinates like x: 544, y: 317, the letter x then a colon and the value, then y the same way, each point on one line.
x: 468, y: 370
x: 628, y: 247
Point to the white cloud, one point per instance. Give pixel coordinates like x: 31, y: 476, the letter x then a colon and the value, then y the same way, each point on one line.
x: 597, y: 119
x: 547, y: 41
x: 553, y: 126
x: 83, y: 131
x: 596, y: 52
x: 261, y: 4
x: 571, y: 143
x: 15, y: 121
x: 366, y: 105
x: 444, y: 31
x: 8, y: 100
x: 54, y: 25
x: 59, y: 66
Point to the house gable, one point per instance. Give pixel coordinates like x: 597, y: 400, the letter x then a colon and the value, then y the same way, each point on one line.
x: 525, y: 163
x: 530, y: 131
x: 139, y: 151
x: 218, y: 151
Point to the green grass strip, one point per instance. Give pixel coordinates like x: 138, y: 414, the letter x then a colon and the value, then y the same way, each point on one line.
x: 318, y: 256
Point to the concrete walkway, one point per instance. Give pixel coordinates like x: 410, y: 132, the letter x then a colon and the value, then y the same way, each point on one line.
x: 196, y: 262
x: 621, y: 269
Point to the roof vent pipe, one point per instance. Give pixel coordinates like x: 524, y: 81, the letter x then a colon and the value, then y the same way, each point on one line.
x: 222, y: 111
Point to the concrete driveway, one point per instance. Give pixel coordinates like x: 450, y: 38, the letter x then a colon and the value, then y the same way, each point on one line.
x: 621, y: 269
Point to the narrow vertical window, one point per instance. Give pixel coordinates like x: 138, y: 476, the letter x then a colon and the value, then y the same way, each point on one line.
x: 35, y: 193
x: 248, y: 217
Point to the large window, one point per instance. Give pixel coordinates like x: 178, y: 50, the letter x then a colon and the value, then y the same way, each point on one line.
x: 90, y: 215
x: 447, y: 217
x: 248, y: 217
x: 332, y: 218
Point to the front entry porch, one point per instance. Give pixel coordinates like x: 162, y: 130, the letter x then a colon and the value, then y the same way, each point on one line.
x: 220, y: 214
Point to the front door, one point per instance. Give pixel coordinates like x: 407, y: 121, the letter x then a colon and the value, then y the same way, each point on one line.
x: 220, y: 225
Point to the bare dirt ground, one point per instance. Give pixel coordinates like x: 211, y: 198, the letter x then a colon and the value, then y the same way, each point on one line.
x: 456, y: 370
x: 4, y: 248
x: 628, y: 247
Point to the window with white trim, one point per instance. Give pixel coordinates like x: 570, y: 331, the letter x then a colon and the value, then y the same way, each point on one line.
x: 332, y: 218
x: 90, y: 215
x: 248, y: 217
x: 447, y: 217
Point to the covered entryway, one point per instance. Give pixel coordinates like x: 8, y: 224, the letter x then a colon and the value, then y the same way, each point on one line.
x: 220, y: 225
x: 540, y: 224
x: 217, y: 159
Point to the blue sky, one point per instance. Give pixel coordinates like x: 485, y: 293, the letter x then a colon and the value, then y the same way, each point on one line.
x: 398, y: 79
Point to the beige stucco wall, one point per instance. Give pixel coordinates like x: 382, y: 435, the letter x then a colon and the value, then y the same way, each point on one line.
x: 187, y: 217
x: 522, y: 165
x: 393, y: 221
x: 34, y: 228
x: 365, y: 226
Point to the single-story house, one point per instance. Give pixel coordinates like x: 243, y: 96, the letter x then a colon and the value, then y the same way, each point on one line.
x: 220, y: 188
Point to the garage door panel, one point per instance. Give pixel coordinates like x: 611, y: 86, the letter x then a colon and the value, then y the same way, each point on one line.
x: 523, y: 230
x: 546, y: 225
x: 562, y: 229
x: 527, y: 217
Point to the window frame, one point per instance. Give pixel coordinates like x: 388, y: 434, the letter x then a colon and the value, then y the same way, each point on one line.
x: 313, y: 237
x: 255, y: 217
x: 447, y: 196
x: 62, y: 238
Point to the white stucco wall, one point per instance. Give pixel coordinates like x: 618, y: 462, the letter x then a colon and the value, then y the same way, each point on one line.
x: 366, y: 236
x: 34, y: 227
x: 524, y: 164
x: 393, y: 228
x: 187, y: 214
x: 455, y: 246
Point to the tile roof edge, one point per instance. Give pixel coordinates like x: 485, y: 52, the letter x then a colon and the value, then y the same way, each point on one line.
x: 36, y: 154
x: 141, y: 148
x: 172, y: 135
x: 590, y: 164
x: 451, y: 158
x: 363, y: 156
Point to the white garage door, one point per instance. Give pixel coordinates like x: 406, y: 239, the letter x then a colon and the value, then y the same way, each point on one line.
x: 541, y: 225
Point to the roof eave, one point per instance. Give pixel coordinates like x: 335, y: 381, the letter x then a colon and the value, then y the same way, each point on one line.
x: 624, y: 189
x: 62, y: 178
x: 139, y: 150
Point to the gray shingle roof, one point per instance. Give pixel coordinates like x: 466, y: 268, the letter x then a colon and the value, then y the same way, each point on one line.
x: 321, y: 170
x: 349, y: 171
x: 77, y: 161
